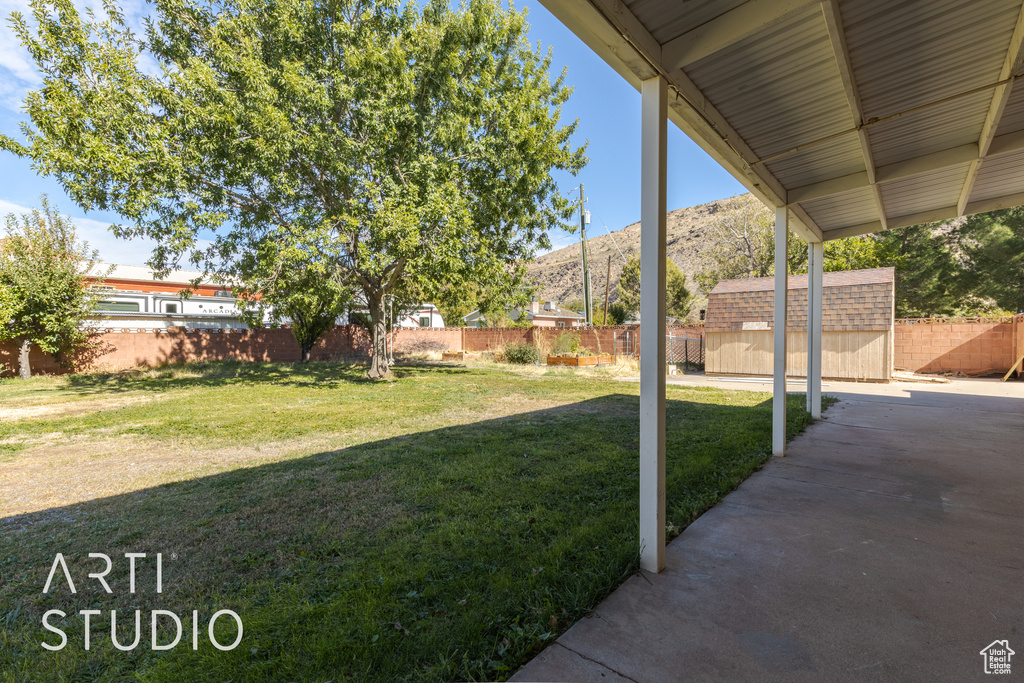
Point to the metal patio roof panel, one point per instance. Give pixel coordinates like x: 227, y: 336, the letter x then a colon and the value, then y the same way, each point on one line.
x: 1013, y: 114
x: 1000, y: 176
x: 906, y: 54
x: 837, y: 157
x: 780, y: 81
x: 778, y: 88
x: 944, y: 126
x: 842, y: 210
x: 668, y: 19
x: 923, y: 192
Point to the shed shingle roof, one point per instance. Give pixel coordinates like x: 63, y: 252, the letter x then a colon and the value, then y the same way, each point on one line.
x: 869, y: 276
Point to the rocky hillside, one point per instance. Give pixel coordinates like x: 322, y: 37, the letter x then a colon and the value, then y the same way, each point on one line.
x: 558, y: 273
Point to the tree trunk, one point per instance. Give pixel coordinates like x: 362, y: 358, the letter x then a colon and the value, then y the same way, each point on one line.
x: 305, y: 353
x: 379, y: 368
x: 24, y: 368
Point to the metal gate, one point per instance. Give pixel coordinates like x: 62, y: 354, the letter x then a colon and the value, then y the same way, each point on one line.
x: 625, y: 343
x: 685, y: 351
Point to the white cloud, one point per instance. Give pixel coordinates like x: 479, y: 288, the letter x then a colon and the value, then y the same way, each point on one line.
x: 132, y: 252
x: 17, y: 72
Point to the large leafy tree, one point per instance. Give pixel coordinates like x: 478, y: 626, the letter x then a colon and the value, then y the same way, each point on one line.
x: 742, y: 242
x: 992, y: 248
x: 297, y: 287
x: 928, y: 275
x: 415, y: 142
x: 43, y: 294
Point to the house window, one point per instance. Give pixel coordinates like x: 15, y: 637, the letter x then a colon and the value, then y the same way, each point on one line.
x: 170, y: 308
x: 424, y: 321
x: 561, y: 323
x: 118, y: 306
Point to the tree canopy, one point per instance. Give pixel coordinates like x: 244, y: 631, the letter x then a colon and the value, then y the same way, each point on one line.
x: 678, y: 300
x: 293, y: 287
x: 43, y: 294
x: 970, y: 266
x: 992, y: 253
x: 413, y: 144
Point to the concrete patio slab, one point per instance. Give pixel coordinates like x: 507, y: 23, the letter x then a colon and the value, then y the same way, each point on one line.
x: 887, y: 546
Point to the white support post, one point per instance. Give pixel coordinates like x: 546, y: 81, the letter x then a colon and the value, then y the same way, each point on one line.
x: 779, y: 324
x: 653, y: 157
x: 815, y: 301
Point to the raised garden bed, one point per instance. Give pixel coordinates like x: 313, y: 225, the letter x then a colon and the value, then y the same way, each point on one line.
x: 578, y: 361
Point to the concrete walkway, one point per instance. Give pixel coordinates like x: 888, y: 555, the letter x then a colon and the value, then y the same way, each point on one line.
x: 887, y: 546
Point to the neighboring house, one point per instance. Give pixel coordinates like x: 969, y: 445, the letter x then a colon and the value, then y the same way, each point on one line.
x: 548, y: 315
x: 426, y: 315
x: 131, y: 296
x: 422, y: 315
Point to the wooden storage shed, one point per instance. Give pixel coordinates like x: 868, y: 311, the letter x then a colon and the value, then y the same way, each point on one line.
x: 857, y: 326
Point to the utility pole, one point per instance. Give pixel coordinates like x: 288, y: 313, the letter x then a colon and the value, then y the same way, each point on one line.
x: 607, y: 288
x: 588, y: 311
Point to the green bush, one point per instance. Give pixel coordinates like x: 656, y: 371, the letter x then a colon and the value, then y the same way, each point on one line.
x: 567, y: 342
x: 521, y: 353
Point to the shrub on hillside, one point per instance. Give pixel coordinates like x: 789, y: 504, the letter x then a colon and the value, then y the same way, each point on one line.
x: 521, y: 353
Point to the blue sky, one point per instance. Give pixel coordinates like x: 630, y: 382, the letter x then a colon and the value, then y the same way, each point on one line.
x: 607, y: 107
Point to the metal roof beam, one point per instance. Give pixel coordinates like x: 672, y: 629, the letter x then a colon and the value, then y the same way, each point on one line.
x: 932, y: 216
x: 1005, y: 202
x: 1011, y: 63
x: 837, y: 37
x: 827, y: 188
x: 613, y: 32
x: 610, y: 41
x: 1008, y: 142
x: 695, y: 116
x: 954, y: 156
x: 727, y: 29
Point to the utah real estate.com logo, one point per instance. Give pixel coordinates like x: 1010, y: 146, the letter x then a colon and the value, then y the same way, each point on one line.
x: 997, y: 657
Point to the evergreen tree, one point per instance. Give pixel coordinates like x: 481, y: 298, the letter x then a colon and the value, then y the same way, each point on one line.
x: 678, y: 300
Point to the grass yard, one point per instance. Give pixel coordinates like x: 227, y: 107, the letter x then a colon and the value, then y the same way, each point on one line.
x: 444, y: 526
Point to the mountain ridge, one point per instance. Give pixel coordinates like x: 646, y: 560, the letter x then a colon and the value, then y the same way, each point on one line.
x: 558, y: 274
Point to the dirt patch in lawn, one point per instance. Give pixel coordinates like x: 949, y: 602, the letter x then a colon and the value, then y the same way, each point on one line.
x: 52, y: 410
x: 48, y: 475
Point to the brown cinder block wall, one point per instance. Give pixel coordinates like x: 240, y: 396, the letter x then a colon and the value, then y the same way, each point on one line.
x: 122, y: 349
x: 117, y: 350
x: 970, y: 347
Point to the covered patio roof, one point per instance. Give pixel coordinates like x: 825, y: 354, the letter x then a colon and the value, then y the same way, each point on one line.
x: 846, y: 116
x: 859, y: 115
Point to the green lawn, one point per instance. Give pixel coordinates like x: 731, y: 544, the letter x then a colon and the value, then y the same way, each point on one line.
x: 445, y: 526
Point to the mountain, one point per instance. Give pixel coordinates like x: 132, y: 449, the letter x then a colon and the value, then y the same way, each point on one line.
x: 558, y: 273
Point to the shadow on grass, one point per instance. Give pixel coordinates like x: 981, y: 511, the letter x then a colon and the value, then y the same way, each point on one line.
x: 221, y: 373
x: 453, y: 554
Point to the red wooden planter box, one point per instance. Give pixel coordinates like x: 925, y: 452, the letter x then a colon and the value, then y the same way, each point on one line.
x: 578, y: 361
